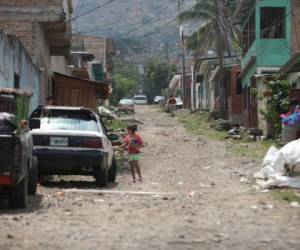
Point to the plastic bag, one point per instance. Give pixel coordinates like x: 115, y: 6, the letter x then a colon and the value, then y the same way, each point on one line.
x: 7, y: 123
x: 275, y: 164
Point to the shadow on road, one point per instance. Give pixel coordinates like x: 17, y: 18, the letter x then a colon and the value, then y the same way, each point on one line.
x: 75, y: 184
x: 34, y: 203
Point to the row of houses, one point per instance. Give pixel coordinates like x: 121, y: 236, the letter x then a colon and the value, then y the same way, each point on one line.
x: 270, y: 38
x: 40, y: 55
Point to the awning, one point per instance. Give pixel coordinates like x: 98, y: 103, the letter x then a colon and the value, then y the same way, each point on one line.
x: 8, y: 91
x: 247, y: 67
x: 292, y: 66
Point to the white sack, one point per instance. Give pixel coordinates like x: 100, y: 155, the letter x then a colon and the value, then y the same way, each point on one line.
x: 274, y: 166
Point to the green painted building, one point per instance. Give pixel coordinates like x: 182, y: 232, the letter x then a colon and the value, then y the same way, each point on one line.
x: 266, y: 36
x: 268, y: 33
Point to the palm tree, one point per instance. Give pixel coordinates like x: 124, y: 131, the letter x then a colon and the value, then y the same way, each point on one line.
x: 215, y: 33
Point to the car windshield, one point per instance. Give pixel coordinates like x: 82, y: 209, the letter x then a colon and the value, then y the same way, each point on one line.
x: 140, y: 98
x: 69, y: 120
x: 126, y: 102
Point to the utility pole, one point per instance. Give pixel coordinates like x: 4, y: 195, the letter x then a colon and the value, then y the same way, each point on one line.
x: 167, y: 52
x: 182, y: 45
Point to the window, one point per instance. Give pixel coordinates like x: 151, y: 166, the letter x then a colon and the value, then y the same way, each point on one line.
x: 272, y: 23
x: 68, y: 120
x: 16, y: 81
x: 248, y: 36
x: 239, y: 87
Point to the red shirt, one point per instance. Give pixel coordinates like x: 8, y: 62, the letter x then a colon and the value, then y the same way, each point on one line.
x: 133, y: 144
x: 172, y: 101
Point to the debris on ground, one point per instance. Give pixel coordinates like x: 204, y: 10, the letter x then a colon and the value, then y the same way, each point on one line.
x: 295, y: 204
x: 131, y: 121
x: 278, y: 167
x: 106, y: 113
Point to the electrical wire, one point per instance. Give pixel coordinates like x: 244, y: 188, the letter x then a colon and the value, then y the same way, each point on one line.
x: 122, y: 20
x: 92, y: 10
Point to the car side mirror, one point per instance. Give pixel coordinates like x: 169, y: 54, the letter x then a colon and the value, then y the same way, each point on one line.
x: 113, y: 137
x: 34, y: 123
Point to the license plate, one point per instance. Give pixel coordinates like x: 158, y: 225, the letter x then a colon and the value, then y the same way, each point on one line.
x: 59, y: 141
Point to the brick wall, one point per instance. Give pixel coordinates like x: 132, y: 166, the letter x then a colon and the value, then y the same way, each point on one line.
x: 296, y: 26
x: 22, y: 30
x: 96, y: 46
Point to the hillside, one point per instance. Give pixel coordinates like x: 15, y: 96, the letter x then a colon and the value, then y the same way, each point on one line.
x: 148, y: 26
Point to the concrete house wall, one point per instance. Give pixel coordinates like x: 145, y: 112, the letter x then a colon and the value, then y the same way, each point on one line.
x: 43, y: 28
x: 15, y: 61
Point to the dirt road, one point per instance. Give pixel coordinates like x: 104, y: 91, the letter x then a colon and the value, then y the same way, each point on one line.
x: 198, y: 202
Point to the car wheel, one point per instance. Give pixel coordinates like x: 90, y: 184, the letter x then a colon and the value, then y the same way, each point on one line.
x: 101, y: 177
x: 18, y: 194
x: 33, y: 176
x: 112, y: 173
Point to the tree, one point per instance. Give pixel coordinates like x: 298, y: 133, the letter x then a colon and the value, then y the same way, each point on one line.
x: 158, y: 75
x: 126, y: 80
x: 216, y: 33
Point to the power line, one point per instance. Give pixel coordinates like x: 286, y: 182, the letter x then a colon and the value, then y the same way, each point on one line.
x: 136, y: 28
x: 127, y: 25
x: 122, y: 20
x: 92, y: 10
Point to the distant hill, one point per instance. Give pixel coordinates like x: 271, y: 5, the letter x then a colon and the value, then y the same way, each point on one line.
x: 147, y: 26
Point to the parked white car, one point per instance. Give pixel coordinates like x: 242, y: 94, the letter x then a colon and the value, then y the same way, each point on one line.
x: 140, y: 100
x: 179, y: 103
x: 157, y: 99
x: 72, y: 141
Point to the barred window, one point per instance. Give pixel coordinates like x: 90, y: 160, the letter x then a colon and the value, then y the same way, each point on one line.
x: 272, y: 23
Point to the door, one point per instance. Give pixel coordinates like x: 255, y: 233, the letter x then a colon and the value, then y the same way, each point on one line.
x: 253, y: 104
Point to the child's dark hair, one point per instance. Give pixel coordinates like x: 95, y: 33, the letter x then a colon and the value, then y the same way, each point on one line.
x: 133, y: 128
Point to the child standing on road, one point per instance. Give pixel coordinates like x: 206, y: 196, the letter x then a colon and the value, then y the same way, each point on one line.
x: 133, y: 142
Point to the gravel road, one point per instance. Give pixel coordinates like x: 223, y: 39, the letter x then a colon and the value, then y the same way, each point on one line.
x: 191, y: 198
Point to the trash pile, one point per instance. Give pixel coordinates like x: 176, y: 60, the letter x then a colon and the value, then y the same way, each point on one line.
x: 291, y: 119
x: 278, y: 167
x: 7, y: 123
x: 290, y: 125
x: 106, y: 113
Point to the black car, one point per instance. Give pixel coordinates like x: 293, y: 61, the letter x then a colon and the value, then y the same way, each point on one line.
x: 72, y: 141
x: 18, y: 167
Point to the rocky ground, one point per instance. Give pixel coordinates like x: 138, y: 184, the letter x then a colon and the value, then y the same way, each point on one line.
x: 191, y: 198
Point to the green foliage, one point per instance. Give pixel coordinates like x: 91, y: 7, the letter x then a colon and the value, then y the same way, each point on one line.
x: 158, y: 75
x: 114, y: 125
x: 126, y: 80
x: 276, y: 100
x: 198, y: 124
x: 289, y: 196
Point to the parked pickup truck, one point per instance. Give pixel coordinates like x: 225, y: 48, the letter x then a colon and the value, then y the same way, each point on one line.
x: 18, y: 167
